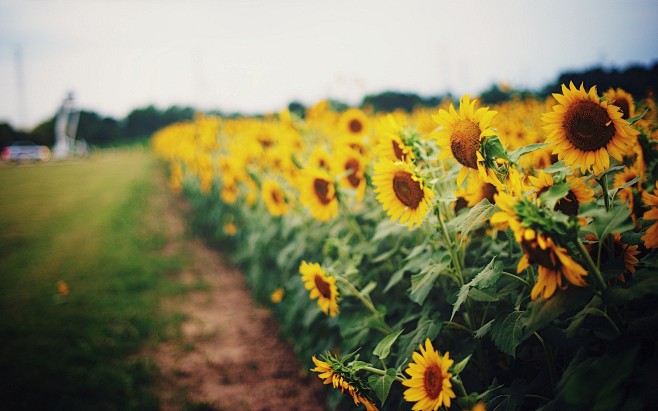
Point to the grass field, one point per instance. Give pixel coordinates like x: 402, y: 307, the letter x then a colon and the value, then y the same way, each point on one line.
x: 93, y: 225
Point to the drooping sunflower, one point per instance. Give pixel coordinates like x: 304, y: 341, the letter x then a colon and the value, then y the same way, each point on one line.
x: 476, y: 190
x: 333, y: 372
x: 620, y: 98
x: 462, y: 133
x: 579, y: 193
x: 402, y: 192
x: 585, y: 131
x: 354, y: 122
x: 274, y: 198
x: 320, y: 286
x: 429, y: 386
x: 318, y: 194
x: 538, y: 248
x: 627, y: 194
x: 650, y: 237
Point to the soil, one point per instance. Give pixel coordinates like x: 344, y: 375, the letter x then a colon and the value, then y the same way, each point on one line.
x: 228, y: 354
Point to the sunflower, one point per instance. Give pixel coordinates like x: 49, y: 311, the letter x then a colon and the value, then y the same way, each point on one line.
x: 620, y: 98
x: 402, y: 192
x: 320, y: 286
x: 650, y: 238
x: 335, y: 373
x: 429, y: 386
x: 352, y: 165
x: 392, y: 143
x: 476, y: 190
x: 627, y: 194
x: 462, y: 133
x: 354, y: 122
x: 320, y: 159
x: 584, y: 130
x: 318, y: 193
x: 579, y: 193
x: 274, y: 198
x: 538, y: 248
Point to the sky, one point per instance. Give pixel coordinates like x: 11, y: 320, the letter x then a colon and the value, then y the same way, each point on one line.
x: 256, y: 56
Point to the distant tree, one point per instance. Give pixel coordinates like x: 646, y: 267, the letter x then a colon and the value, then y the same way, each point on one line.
x: 6, y: 134
x: 142, y: 122
x: 494, y: 95
x: 635, y: 79
x: 392, y: 100
x: 96, y: 130
x: 297, y: 108
x: 44, y: 132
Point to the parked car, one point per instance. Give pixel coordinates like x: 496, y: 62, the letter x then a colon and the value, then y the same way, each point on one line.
x: 25, y: 150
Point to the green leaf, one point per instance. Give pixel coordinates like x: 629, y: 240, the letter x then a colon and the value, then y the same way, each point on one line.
x: 459, y: 367
x: 541, y: 312
x: 635, y: 119
x: 384, y: 347
x: 381, y: 384
x: 423, y: 282
x: 554, y: 194
x: 507, y: 331
x: 426, y: 328
x: 475, y: 217
x: 516, y: 154
x: 578, y: 319
x: 484, y: 330
x: 608, y: 222
x: 646, y: 283
x: 485, y: 278
x: 558, y: 167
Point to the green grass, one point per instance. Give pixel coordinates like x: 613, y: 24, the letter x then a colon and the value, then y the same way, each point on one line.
x: 94, y: 224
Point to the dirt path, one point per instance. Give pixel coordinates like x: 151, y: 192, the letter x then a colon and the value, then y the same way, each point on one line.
x: 229, y: 356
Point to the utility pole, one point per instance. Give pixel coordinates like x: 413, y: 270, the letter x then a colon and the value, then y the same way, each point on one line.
x: 21, y: 113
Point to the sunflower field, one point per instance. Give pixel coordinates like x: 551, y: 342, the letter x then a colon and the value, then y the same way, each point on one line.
x: 460, y: 257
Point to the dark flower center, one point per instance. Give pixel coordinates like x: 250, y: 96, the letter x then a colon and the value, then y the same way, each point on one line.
x: 624, y: 106
x: 352, y: 166
x: 465, y: 142
x: 537, y: 255
x: 488, y: 192
x: 433, y: 381
x: 408, y: 191
x: 587, y: 125
x: 399, y: 154
x: 568, y: 205
x: 323, y: 287
x: 277, y: 197
x: 321, y: 188
x: 355, y: 125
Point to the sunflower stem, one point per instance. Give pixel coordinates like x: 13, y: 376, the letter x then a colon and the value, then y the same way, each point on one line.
x: 460, y: 385
x: 451, y: 245
x: 377, y: 371
x: 365, y: 301
x: 549, y: 360
x: 592, y: 266
x: 516, y: 277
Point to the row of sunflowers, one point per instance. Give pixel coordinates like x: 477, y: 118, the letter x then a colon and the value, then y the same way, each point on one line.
x: 459, y: 257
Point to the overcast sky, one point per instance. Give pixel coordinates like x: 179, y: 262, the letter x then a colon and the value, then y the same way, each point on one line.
x: 257, y: 56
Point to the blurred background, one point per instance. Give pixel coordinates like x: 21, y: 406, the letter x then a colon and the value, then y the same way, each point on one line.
x: 134, y: 66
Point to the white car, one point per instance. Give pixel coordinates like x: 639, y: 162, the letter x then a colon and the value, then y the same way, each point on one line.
x: 25, y: 150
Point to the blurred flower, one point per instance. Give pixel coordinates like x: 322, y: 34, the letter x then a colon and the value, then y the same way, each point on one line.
x: 402, y: 192
x: 650, y: 238
x: 584, y: 130
x: 623, y: 100
x: 429, y: 386
x: 318, y: 194
x: 354, y: 122
x: 274, y: 198
x: 230, y: 229
x: 62, y: 287
x: 320, y: 286
x: 353, y: 165
x: 392, y: 145
x: 277, y: 295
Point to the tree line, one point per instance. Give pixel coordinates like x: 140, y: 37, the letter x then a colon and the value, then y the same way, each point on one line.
x: 97, y: 130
